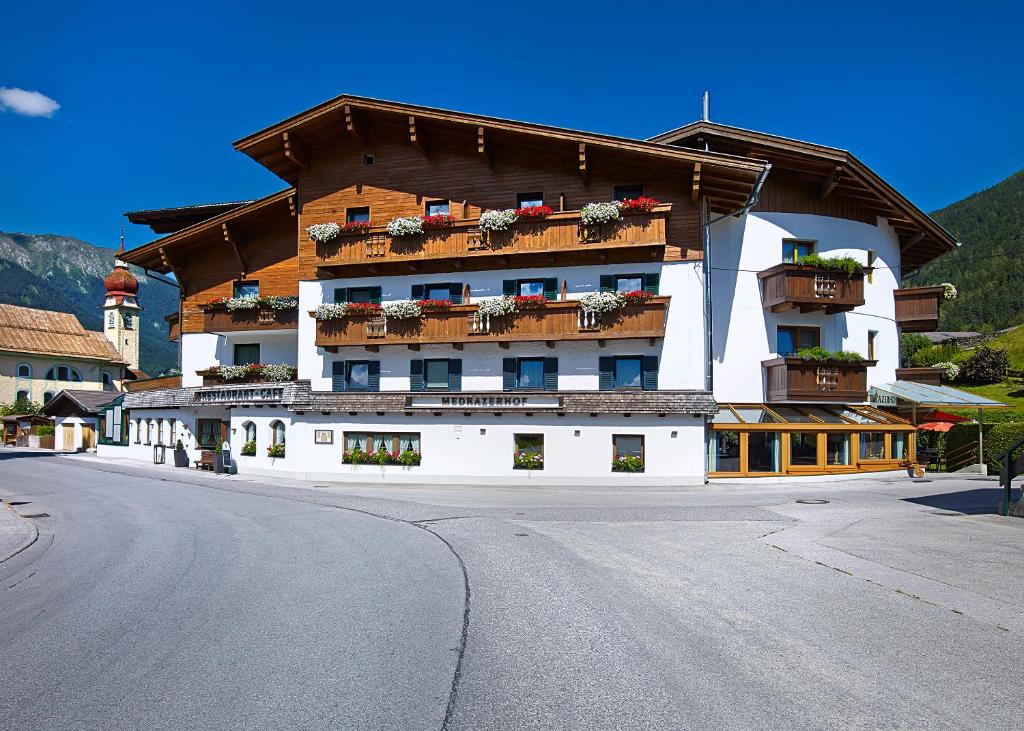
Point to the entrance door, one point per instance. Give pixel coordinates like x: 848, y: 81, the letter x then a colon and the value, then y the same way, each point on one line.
x: 88, y: 436
x: 67, y: 435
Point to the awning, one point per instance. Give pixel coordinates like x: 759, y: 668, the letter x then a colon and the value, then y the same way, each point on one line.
x: 936, y: 425
x: 920, y: 394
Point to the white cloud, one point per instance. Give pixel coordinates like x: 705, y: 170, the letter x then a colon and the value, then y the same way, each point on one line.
x: 27, y: 103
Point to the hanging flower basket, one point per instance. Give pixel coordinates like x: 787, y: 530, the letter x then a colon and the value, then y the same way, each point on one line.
x: 322, y: 232
x: 948, y: 291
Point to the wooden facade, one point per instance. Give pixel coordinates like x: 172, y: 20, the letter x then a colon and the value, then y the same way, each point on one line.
x: 152, y: 384
x: 796, y: 379
x: 917, y: 308
x: 928, y: 376
x: 792, y: 286
x: 553, y: 322
x: 220, y: 319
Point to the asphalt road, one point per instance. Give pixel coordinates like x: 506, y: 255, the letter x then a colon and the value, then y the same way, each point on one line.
x: 168, y: 599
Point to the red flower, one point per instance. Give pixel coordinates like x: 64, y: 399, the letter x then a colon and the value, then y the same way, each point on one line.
x: 643, y: 204
x: 441, y: 220
x: 636, y: 297
x: 534, y: 211
x: 363, y: 308
x: 526, y: 301
x: 435, y: 305
x: 357, y: 226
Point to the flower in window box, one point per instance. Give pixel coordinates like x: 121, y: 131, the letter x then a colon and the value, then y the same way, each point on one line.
x: 277, y: 372
x: 402, y: 309
x: 636, y: 297
x: 363, y: 309
x: 440, y: 220
x: 643, y: 204
x: 528, y: 461
x: 275, y: 450
x: 598, y: 302
x: 321, y: 232
x: 232, y: 372
x: 533, y: 212
x: 491, y: 221
x: 497, y: 306
x: 410, y: 458
x: 249, y: 448
x: 407, y: 226
x: 357, y: 227
x: 354, y: 456
x: 594, y: 214
x: 251, y: 302
x: 948, y: 291
x: 529, y: 301
x: 331, y: 311
x: 435, y: 305
x: 220, y: 301
x: 627, y: 463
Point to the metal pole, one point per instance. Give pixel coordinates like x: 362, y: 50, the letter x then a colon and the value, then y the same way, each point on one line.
x: 981, y: 440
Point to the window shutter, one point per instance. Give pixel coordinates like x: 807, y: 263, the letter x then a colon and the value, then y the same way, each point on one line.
x: 607, y: 283
x: 650, y: 375
x: 455, y: 374
x: 417, y: 291
x: 551, y: 374
x: 509, y: 374
x: 508, y: 288
x: 373, y: 376
x: 416, y: 375
x: 606, y: 373
x: 338, y: 375
x: 455, y: 293
x: 375, y: 295
x: 551, y: 288
x: 651, y: 282
x: 340, y: 295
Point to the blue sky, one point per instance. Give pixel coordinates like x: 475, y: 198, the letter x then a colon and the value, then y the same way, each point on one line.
x: 152, y: 95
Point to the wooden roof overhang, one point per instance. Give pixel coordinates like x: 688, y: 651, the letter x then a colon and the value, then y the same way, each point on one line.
x: 837, y: 172
x: 169, y: 220
x: 227, y: 230
x: 285, y: 148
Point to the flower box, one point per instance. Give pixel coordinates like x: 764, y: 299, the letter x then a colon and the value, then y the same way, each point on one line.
x: 529, y: 301
x: 435, y: 305
x: 357, y: 227
x: 533, y: 212
x: 441, y: 220
x: 643, y: 204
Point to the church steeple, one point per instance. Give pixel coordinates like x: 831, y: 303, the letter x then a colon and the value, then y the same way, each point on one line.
x: 121, y: 309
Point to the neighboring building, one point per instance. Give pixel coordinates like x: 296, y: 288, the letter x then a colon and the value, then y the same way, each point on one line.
x: 622, y: 352
x: 76, y: 414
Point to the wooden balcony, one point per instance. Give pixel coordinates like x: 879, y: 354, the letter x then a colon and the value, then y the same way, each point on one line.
x: 173, y: 327
x: 917, y: 308
x: 931, y: 376
x: 211, y: 378
x: 220, y: 319
x: 795, y: 379
x: 464, y: 324
x: 793, y: 286
x: 560, y: 234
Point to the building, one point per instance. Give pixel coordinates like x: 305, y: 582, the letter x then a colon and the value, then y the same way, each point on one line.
x: 75, y: 415
x: 451, y: 297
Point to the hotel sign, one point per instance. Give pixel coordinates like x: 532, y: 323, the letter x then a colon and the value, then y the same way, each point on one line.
x: 882, y: 398
x: 244, y: 394
x: 469, y: 402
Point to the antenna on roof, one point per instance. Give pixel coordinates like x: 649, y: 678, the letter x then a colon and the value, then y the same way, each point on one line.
x: 707, y: 106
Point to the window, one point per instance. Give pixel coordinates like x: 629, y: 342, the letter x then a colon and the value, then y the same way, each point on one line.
x: 47, y: 396
x: 803, y: 448
x: 793, y: 250
x: 724, y: 452
x: 207, y: 433
x: 437, y: 208
x: 629, y: 448
x: 872, y: 337
x: 837, y: 448
x: 530, y: 287
x: 108, y: 382
x: 899, y: 445
x: 138, y: 431
x: 21, y: 396
x: 357, y: 294
x: 148, y: 428
x: 763, y: 454
x: 24, y: 370
x: 246, y: 289
x: 129, y: 321
x: 628, y: 372
x: 368, y: 443
x: 630, y: 282
x: 531, y: 373
x: 528, y: 451
x: 436, y: 373
x: 247, y: 353
x: 790, y: 339
x: 159, y: 431
x: 277, y: 432
x: 529, y: 200
x: 248, y: 432
x: 627, y: 192
x: 451, y: 291
x: 357, y: 215
x: 63, y: 373
x: 355, y: 375
x: 547, y: 287
x: 110, y: 319
x: 872, y: 445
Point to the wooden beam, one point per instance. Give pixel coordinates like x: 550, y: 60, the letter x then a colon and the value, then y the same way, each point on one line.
x: 695, y: 190
x: 234, y: 246
x: 584, y: 169
x: 295, y: 150
x: 352, y: 126
x: 291, y: 206
x: 912, y: 242
x: 416, y: 137
x: 482, y: 148
x: 174, y: 270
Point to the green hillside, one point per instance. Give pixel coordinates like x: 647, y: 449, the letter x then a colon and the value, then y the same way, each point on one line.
x: 988, y: 270
x: 66, y: 275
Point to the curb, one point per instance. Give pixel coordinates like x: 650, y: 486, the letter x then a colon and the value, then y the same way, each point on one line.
x: 32, y: 539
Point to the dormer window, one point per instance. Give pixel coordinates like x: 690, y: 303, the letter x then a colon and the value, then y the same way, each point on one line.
x: 437, y: 208
x: 793, y: 250
x: 246, y: 289
x: 529, y: 200
x: 357, y: 215
x: 628, y: 192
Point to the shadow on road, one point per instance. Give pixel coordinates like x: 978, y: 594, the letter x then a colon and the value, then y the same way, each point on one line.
x: 983, y: 501
x: 7, y: 453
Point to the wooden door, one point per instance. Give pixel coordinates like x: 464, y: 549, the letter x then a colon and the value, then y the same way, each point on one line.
x: 67, y: 437
x: 88, y: 436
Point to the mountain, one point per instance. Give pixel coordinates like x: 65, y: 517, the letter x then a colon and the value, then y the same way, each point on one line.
x: 64, y: 274
x: 988, y: 270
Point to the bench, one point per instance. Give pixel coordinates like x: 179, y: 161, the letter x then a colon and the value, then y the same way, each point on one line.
x: 205, y: 461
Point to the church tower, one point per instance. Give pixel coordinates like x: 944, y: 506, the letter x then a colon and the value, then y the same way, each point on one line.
x: 121, y: 311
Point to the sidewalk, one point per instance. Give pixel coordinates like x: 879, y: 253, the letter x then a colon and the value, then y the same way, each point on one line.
x: 16, y: 533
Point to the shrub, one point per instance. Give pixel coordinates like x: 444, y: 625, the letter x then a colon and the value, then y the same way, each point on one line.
x: 946, y: 353
x: 45, y: 430
x: 997, y: 437
x: 179, y: 446
x: 985, y: 365
x: 20, y: 407
x: 845, y: 264
x: 911, y: 343
x: 818, y: 354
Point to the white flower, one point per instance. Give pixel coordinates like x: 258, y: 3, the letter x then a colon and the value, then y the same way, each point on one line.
x: 232, y: 372
x: 602, y: 301
x: 277, y: 372
x: 595, y: 213
x: 497, y: 306
x: 321, y: 232
x: 498, y: 220
x: 331, y: 311
x: 401, y: 309
x: 243, y: 303
x: 949, y: 291
x: 408, y: 226
x: 952, y: 369
x: 276, y: 302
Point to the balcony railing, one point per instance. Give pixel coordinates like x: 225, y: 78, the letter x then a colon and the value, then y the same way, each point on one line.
x: 917, y: 308
x: 794, y: 286
x: 212, y: 378
x: 796, y: 379
x: 464, y: 324
x: 558, y: 232
x: 220, y: 319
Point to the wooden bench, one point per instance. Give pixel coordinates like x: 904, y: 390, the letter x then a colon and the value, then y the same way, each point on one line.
x: 205, y: 461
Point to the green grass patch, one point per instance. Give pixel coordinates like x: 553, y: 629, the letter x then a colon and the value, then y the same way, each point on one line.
x: 1013, y: 343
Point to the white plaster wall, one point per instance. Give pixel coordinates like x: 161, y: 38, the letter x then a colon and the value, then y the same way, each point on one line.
x: 744, y: 332
x: 200, y: 351
x: 681, y: 352
x: 184, y: 429
x: 76, y: 422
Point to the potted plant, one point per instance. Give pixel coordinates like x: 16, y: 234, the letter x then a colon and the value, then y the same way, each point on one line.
x: 218, y: 459
x: 180, y: 455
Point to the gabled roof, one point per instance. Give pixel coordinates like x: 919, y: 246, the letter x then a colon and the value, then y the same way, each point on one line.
x: 60, y: 334
x: 168, y: 220
x: 839, y: 173
x: 77, y: 401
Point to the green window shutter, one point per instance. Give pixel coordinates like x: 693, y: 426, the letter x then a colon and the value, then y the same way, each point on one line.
x: 607, y: 282
x: 373, y: 375
x: 375, y: 295
x: 509, y: 373
x: 455, y: 293
x: 551, y: 374
x: 651, y: 282
x: 455, y: 374
x: 606, y: 373
x: 338, y: 375
x: 340, y: 295
x: 551, y: 288
x: 416, y: 375
x: 650, y: 374
x: 508, y: 288
x: 417, y: 291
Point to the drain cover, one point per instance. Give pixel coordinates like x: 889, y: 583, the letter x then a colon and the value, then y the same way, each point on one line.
x: 812, y: 501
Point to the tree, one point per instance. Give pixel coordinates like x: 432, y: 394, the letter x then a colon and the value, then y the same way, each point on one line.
x: 19, y: 407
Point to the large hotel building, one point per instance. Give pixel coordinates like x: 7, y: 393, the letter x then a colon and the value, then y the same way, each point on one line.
x: 446, y: 297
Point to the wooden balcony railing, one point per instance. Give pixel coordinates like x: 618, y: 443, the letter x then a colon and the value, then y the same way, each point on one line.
x: 559, y: 232
x: 464, y: 324
x: 219, y: 319
x: 793, y: 286
x: 795, y: 379
x: 917, y: 308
